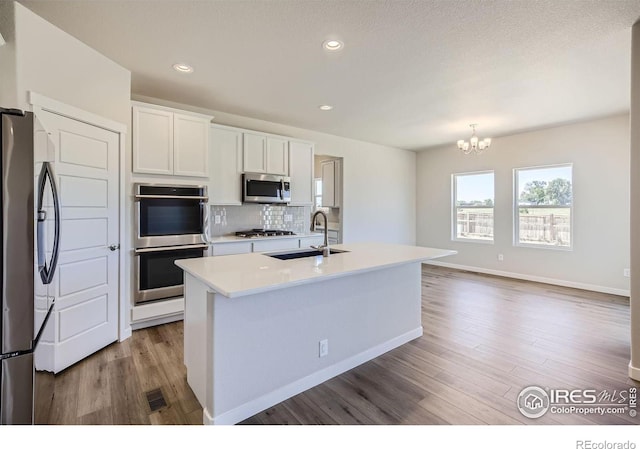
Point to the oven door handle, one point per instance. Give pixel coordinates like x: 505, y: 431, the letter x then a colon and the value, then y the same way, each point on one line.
x: 168, y: 248
x: 170, y: 197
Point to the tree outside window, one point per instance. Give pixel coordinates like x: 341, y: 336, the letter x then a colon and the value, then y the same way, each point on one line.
x: 473, y: 197
x: 544, y: 201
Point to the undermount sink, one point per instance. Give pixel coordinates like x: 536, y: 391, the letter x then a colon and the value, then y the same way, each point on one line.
x: 299, y: 254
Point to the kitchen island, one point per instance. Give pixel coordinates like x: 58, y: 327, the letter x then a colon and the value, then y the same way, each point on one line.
x: 258, y: 330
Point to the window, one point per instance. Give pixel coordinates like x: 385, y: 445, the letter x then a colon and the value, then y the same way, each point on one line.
x: 543, y: 206
x: 473, y: 206
x: 317, y: 192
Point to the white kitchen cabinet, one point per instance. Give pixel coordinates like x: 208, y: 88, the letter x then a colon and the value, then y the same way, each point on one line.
x: 225, y: 153
x: 301, y: 172
x: 255, y: 153
x: 168, y: 141
x: 333, y: 237
x: 277, y: 156
x: 265, y: 154
x: 227, y: 248
x: 190, y: 145
x: 306, y: 242
x: 331, y: 183
x: 260, y: 246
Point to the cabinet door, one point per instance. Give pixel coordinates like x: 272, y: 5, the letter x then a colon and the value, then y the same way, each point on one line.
x: 152, y: 141
x: 224, y: 249
x: 255, y: 153
x: 301, y: 173
x: 277, y: 156
x: 328, y: 184
x: 190, y: 146
x: 337, y: 183
x: 260, y: 246
x: 226, y: 166
x: 306, y: 242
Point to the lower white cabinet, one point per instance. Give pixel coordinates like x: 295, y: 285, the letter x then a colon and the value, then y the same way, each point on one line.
x: 224, y: 249
x: 306, y: 242
x: 261, y: 246
x: 266, y: 245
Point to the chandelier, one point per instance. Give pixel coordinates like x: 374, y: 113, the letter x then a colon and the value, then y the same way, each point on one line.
x: 474, y: 145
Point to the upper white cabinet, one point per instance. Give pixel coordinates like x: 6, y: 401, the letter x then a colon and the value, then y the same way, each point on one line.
x: 169, y: 141
x: 263, y: 153
x: 255, y: 153
x: 225, y: 154
x: 301, y: 172
x: 331, y: 183
x: 277, y: 156
x: 190, y: 145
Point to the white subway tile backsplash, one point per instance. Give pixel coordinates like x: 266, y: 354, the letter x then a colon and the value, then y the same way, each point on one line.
x: 267, y: 216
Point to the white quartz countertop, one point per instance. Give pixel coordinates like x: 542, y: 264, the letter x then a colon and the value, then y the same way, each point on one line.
x: 245, y: 274
x: 233, y: 238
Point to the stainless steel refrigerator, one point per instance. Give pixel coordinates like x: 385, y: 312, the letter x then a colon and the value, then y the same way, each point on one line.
x: 26, y: 258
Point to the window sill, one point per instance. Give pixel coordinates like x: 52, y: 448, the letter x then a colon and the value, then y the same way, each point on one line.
x: 543, y: 246
x: 481, y: 241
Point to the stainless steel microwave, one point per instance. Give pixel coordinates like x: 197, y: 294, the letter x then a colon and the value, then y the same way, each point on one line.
x: 265, y: 188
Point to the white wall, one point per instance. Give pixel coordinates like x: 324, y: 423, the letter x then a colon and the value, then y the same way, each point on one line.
x: 8, y: 98
x: 379, y: 183
x: 53, y: 63
x: 599, y: 151
x: 634, y: 365
x: 42, y: 58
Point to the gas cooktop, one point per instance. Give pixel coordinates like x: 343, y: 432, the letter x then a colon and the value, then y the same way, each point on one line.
x: 254, y: 233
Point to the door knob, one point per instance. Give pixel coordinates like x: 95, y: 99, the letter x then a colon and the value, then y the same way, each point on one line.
x: 114, y: 247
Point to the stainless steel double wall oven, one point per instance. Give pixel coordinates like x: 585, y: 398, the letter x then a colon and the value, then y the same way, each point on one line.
x: 169, y: 226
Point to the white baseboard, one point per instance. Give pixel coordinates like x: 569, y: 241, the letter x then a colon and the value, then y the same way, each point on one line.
x: 157, y: 321
x: 157, y: 309
x: 527, y: 277
x: 126, y: 333
x: 250, y: 408
x: 634, y: 372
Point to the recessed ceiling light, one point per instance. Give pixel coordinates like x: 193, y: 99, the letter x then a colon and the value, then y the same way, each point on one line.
x: 325, y: 107
x: 183, y: 68
x: 332, y: 45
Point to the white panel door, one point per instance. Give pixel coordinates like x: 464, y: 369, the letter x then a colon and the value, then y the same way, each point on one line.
x: 86, y: 281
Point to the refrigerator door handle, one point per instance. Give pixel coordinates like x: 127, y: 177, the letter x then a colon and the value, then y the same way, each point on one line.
x: 47, y: 270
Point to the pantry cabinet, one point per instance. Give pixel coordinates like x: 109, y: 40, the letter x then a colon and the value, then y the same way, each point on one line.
x: 168, y: 141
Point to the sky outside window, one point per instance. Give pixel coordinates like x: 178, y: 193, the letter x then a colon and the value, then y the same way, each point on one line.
x: 474, y: 187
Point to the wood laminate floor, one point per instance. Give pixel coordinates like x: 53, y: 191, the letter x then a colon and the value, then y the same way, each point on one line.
x: 485, y: 338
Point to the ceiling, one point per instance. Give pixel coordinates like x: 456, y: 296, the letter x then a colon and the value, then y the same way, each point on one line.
x: 412, y: 74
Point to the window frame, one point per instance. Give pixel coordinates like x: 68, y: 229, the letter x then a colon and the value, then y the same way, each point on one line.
x: 516, y: 210
x: 454, y: 208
